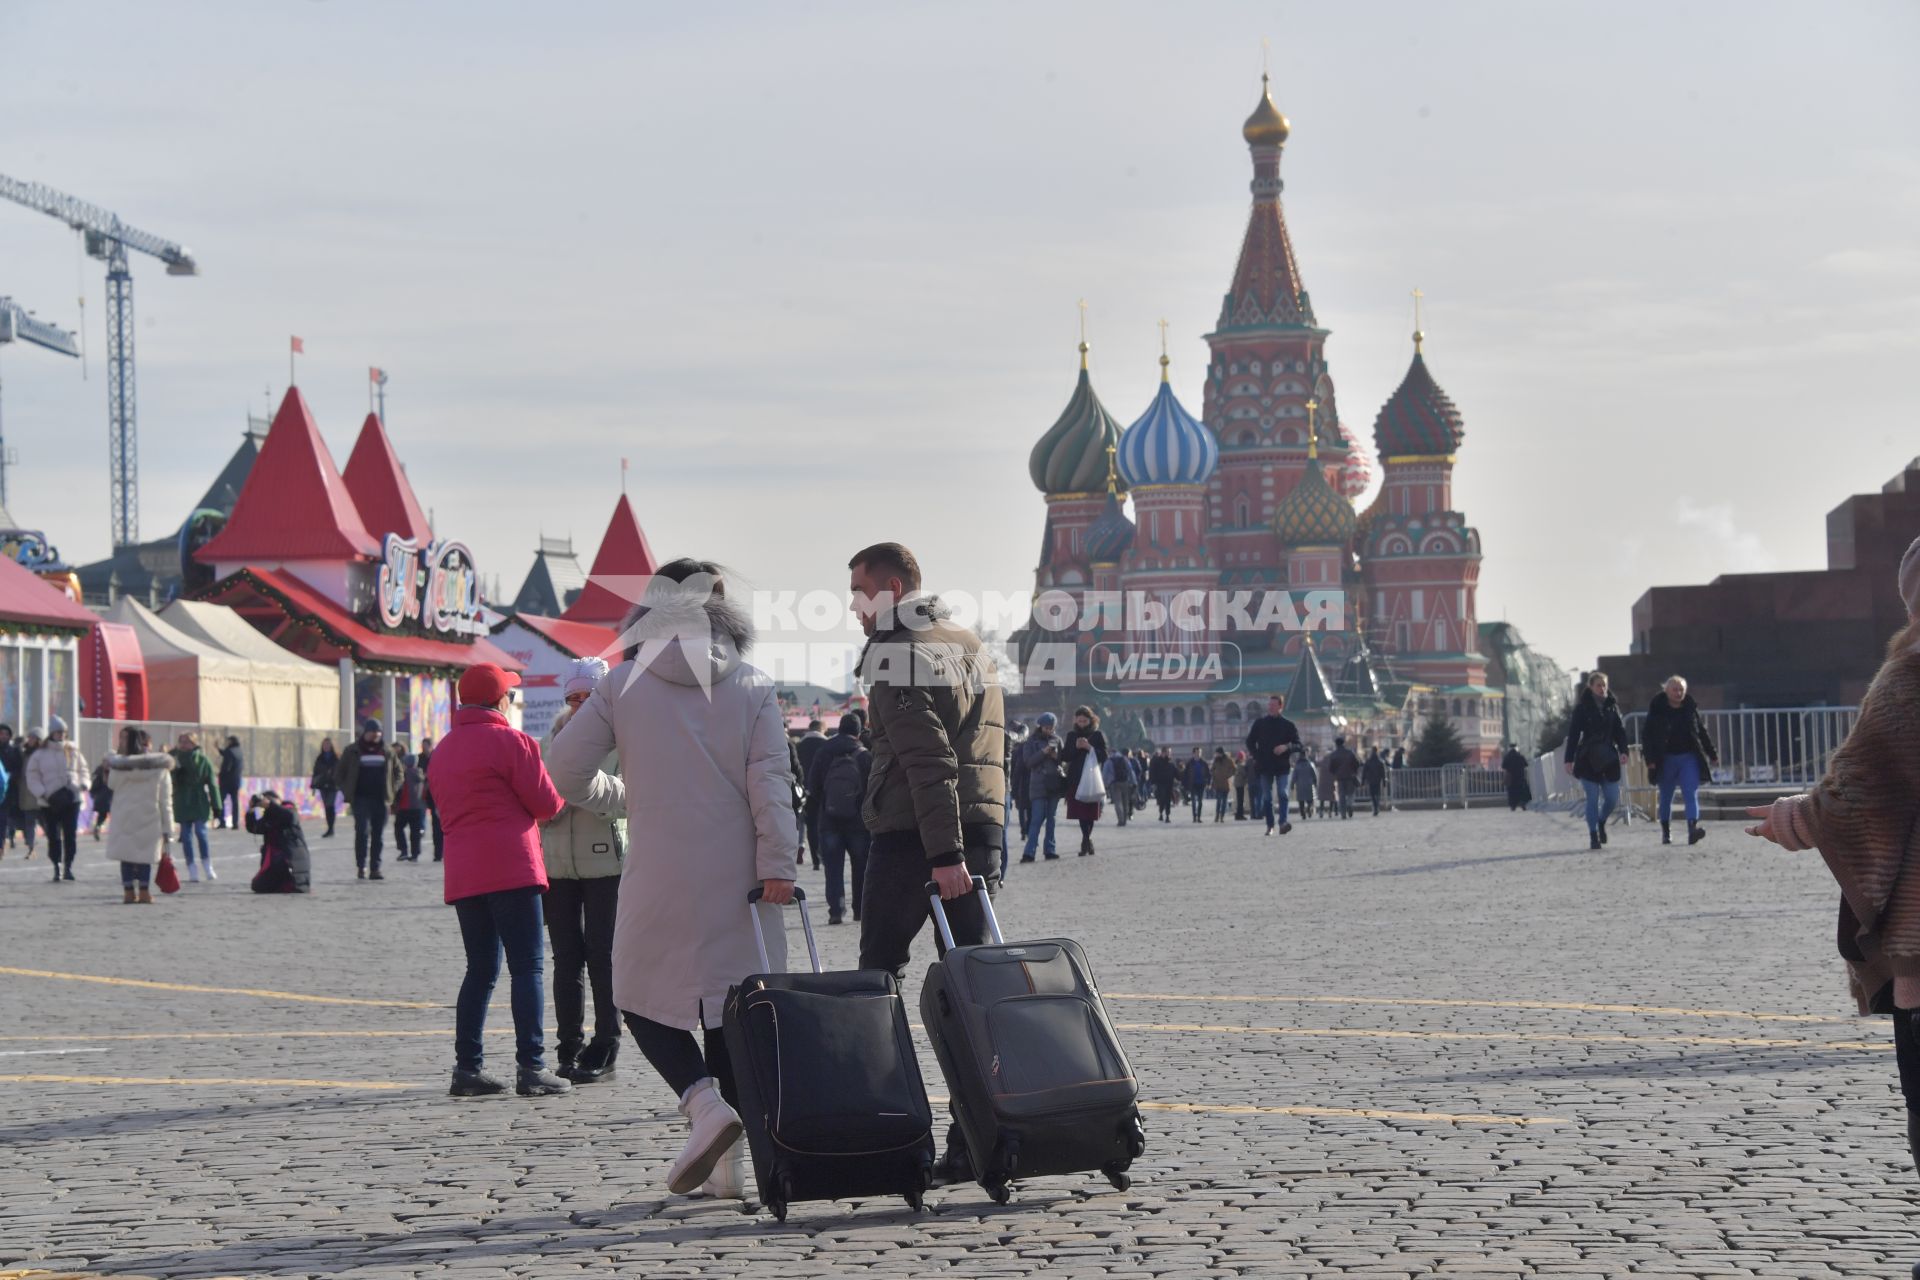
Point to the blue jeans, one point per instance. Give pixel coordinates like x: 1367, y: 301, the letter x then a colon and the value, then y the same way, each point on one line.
x: 1219, y: 806
x: 1270, y: 792
x: 490, y: 923
x: 841, y: 840
x: 1597, y: 812
x: 189, y: 832
x: 136, y: 875
x: 1196, y: 801
x: 1038, y: 812
x: 1682, y: 772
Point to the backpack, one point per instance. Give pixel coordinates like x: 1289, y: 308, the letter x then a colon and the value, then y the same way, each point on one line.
x: 842, y: 793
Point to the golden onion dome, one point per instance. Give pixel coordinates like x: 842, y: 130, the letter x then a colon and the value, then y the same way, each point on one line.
x: 1266, y: 127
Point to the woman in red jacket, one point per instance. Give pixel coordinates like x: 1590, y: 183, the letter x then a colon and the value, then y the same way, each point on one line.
x: 493, y: 793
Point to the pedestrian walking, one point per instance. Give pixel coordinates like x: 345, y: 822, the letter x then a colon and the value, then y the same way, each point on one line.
x: 1305, y: 780
x: 1519, y: 790
x: 1086, y: 748
x: 100, y: 793
x: 495, y: 793
x: 1222, y: 783
x: 805, y: 750
x: 1399, y: 757
x: 324, y: 783
x: 1164, y: 776
x: 1374, y: 774
x: 142, y: 827
x: 1117, y: 773
x: 1240, y: 786
x: 25, y: 805
x: 1272, y: 743
x: 836, y: 791
x: 1596, y: 751
x: 707, y: 826
x: 585, y: 852
x: 12, y: 779
x: 370, y: 778
x: 1017, y: 737
x: 1344, y: 765
x: 1679, y: 753
x: 1863, y: 817
x: 232, y: 769
x: 1196, y: 778
x: 196, y: 798
x: 1045, y: 772
x: 409, y: 807
x: 58, y: 775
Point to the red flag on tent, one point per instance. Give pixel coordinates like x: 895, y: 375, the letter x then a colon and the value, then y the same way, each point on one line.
x: 378, y: 377
x: 299, y: 347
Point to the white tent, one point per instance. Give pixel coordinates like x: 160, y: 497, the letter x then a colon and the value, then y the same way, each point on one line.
x: 288, y: 691
x: 187, y: 680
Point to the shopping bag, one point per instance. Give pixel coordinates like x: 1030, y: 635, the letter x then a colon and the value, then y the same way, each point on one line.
x: 165, y: 878
x: 1092, y: 790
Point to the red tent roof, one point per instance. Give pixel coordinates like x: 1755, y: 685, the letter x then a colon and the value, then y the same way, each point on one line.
x: 581, y: 639
x: 379, y: 487
x: 294, y: 505
x: 260, y: 593
x: 623, y: 553
x: 27, y: 598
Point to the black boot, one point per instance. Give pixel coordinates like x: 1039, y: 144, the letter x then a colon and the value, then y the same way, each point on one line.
x: 1593, y: 837
x: 1695, y: 833
x: 1666, y: 833
x: 595, y: 1064
x: 1603, y: 833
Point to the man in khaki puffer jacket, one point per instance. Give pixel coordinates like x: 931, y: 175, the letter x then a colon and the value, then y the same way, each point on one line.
x: 584, y: 853
x: 936, y: 796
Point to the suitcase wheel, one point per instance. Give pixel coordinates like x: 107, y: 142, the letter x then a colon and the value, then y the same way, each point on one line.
x: 916, y: 1199
x: 1136, y: 1139
x: 782, y: 1197
x: 1000, y: 1192
x: 1117, y: 1175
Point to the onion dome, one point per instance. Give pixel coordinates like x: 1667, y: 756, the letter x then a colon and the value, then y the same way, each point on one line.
x: 1418, y: 420
x: 1266, y: 127
x: 1313, y: 515
x: 1167, y: 445
x: 1111, y: 533
x: 1072, y: 456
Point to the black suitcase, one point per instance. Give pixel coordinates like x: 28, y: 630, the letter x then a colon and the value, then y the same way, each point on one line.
x: 1038, y: 1080
x: 830, y: 1088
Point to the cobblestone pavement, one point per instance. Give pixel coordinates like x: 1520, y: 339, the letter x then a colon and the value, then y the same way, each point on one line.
x: 1435, y: 1044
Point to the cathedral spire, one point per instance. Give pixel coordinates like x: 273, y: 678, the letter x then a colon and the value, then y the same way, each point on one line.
x: 1266, y: 290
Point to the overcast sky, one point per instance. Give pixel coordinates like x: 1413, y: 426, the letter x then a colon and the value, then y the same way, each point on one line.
x: 814, y: 267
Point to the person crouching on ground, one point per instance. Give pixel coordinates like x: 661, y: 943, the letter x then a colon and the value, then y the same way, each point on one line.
x: 1864, y: 818
x: 584, y: 850
x: 142, y: 827
x: 285, y: 866
x: 709, y: 804
x: 495, y: 793
x: 1679, y: 753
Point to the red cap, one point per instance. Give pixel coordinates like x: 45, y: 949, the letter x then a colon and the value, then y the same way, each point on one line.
x: 484, y: 684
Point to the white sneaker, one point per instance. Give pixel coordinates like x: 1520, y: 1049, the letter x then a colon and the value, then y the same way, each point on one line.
x: 209, y: 868
x: 728, y: 1180
x: 193, y: 872
x: 716, y: 1126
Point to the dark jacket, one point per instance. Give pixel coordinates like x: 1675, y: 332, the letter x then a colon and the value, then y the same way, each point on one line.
x: 1515, y: 765
x: 194, y: 796
x: 347, y: 775
x: 285, y: 866
x: 1344, y: 765
x: 1373, y: 771
x: 1596, y: 721
x: 807, y: 749
x: 324, y: 766
x: 829, y: 750
x: 1196, y: 775
x: 1162, y: 774
x: 1042, y: 775
x: 1672, y: 730
x: 1076, y: 758
x: 1267, y: 733
x: 231, y: 767
x: 939, y: 780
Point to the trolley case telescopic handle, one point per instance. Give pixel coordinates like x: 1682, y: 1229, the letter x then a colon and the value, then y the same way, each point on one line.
x: 759, y: 935
x: 940, y: 912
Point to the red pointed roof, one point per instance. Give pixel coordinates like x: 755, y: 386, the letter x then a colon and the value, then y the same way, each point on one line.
x: 379, y: 487
x: 294, y: 505
x: 26, y: 597
x: 1266, y: 285
x: 579, y: 639
x: 623, y: 553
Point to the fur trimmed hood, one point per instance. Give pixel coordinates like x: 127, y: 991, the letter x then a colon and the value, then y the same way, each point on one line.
x: 673, y: 623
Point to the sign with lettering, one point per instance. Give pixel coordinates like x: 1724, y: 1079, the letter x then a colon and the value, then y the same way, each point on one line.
x: 434, y: 588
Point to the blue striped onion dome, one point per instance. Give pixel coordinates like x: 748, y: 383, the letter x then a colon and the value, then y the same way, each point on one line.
x: 1167, y: 445
x: 1072, y: 456
x: 1314, y: 515
x: 1110, y: 535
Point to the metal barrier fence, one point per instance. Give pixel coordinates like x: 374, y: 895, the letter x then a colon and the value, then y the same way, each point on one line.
x: 1450, y: 786
x: 265, y: 753
x: 1783, y: 746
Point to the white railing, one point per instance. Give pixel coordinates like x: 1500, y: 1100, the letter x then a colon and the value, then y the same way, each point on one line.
x: 265, y: 753
x: 1448, y: 787
x: 1770, y: 747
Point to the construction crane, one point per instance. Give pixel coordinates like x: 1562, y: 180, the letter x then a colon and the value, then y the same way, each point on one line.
x: 20, y: 325
x: 108, y: 239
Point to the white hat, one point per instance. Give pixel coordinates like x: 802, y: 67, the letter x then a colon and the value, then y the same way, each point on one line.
x: 583, y: 676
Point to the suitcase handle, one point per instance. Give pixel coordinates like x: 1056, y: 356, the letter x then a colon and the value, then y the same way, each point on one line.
x: 759, y: 935
x: 940, y: 912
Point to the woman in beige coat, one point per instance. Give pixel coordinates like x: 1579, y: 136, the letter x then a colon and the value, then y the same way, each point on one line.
x: 142, y: 827
x: 709, y: 802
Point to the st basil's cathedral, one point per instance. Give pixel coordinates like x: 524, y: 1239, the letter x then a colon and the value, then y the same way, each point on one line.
x: 1256, y: 497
